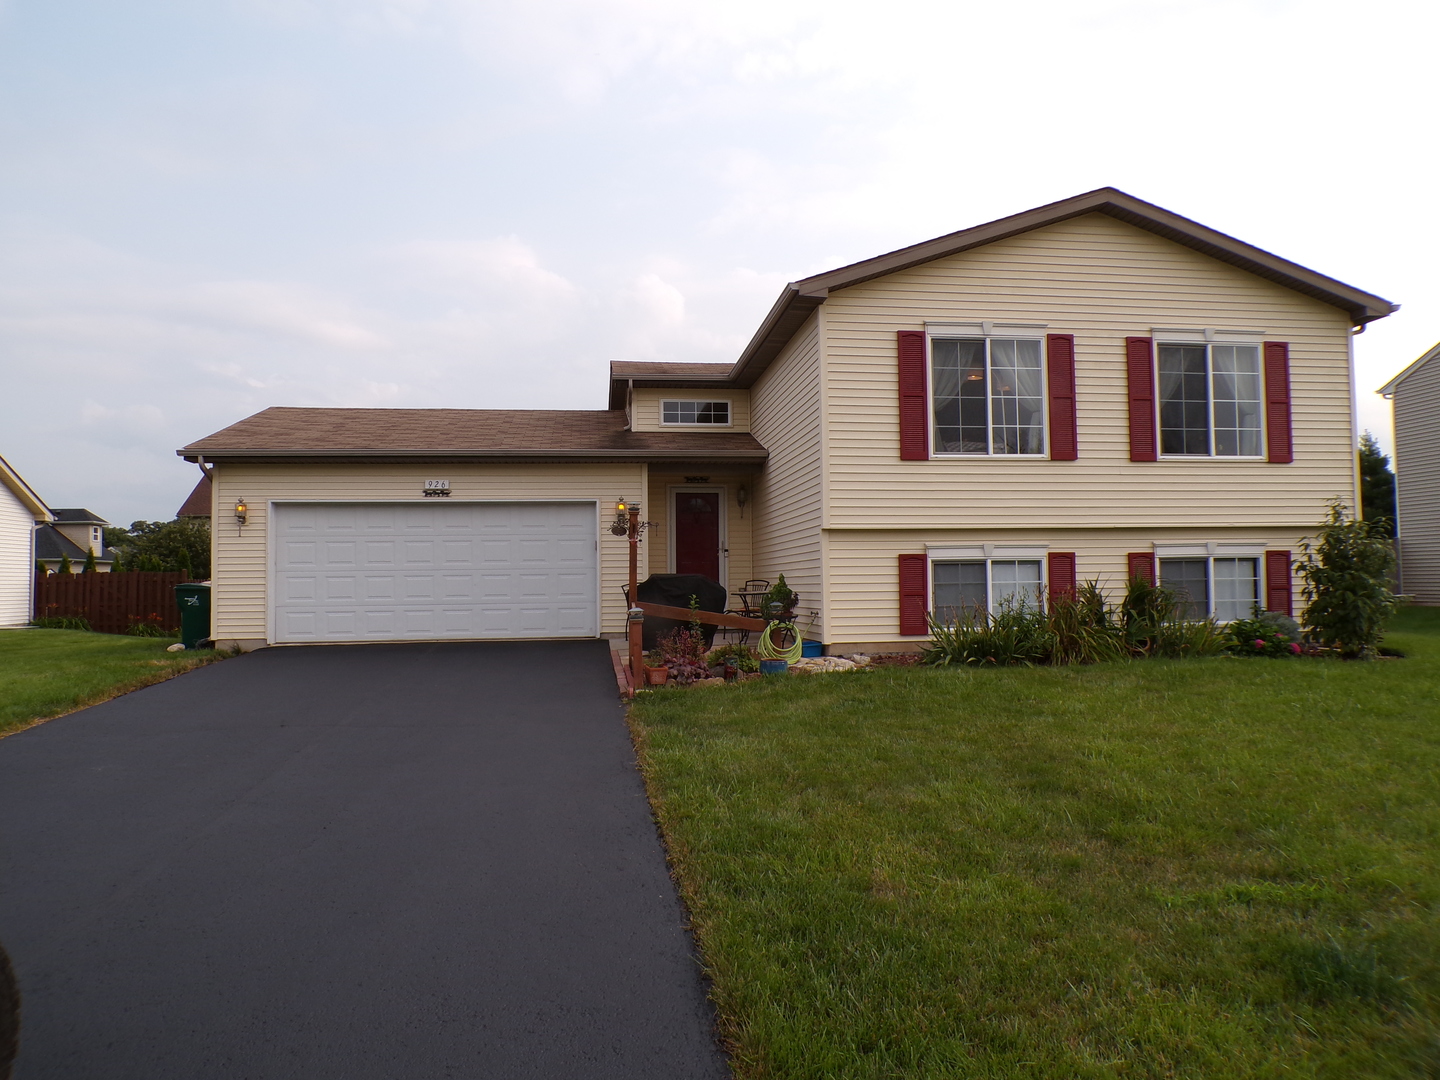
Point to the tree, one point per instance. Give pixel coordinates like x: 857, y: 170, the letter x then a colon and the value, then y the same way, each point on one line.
x: 183, y: 544
x: 1377, y: 485
x: 64, y: 565
x: 1346, y: 569
x: 89, y: 567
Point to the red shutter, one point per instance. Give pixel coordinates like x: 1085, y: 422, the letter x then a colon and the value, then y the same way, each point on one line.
x: 1062, y: 574
x: 1060, y: 359
x: 1278, y: 596
x: 914, y: 403
x: 1140, y: 564
x: 1140, y: 370
x: 1277, y: 402
x: 914, y: 603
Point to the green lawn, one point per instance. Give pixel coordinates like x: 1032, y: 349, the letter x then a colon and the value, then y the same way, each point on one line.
x: 1205, y: 868
x: 44, y: 673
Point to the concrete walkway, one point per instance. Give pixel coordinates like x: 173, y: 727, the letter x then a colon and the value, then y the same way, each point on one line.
x: 390, y: 861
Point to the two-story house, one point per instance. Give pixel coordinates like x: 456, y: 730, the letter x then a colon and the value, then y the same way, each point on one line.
x: 1415, y: 393
x: 1092, y: 389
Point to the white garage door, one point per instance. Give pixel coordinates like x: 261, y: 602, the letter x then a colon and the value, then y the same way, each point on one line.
x: 423, y: 571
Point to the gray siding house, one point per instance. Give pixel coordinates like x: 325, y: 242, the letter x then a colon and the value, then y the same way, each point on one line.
x: 1415, y: 394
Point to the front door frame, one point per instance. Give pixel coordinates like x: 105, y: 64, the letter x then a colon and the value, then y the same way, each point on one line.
x: 724, y: 492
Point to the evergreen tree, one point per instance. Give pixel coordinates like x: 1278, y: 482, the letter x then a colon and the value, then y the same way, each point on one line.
x: 40, y: 570
x: 89, y: 567
x: 64, y: 564
x: 1377, y: 485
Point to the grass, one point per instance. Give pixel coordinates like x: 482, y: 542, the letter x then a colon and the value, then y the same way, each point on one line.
x: 1204, y: 868
x: 46, y: 673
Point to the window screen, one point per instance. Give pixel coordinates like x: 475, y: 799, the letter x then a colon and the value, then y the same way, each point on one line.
x: 1189, y: 579
x: 959, y: 591
x: 1237, y: 588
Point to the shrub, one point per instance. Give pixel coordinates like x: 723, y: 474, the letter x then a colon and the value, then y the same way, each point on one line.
x: 1016, y: 634
x: 1084, y: 628
x: 779, y: 602
x: 147, y: 627
x: 683, y: 652
x: 737, y: 656
x: 1346, y: 569
x: 61, y: 622
x: 1265, y: 633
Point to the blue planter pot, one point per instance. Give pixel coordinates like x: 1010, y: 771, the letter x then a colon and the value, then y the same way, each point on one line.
x: 773, y: 667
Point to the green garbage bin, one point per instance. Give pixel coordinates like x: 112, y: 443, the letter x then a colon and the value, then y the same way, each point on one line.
x: 193, y: 599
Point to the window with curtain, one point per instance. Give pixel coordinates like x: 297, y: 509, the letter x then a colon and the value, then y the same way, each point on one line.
x: 987, y: 395
x: 1227, y: 589
x: 962, y: 589
x: 1209, y: 400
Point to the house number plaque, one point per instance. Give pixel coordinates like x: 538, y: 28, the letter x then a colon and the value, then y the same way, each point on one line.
x: 437, y: 489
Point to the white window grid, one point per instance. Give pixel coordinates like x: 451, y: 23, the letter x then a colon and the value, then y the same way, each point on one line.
x: 1213, y: 600
x: 1210, y: 347
x: 989, y: 451
x: 687, y: 412
x: 991, y: 604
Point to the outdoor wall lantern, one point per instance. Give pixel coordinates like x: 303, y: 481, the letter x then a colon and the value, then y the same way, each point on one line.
x: 242, y: 512
x: 742, y: 496
x: 621, y: 524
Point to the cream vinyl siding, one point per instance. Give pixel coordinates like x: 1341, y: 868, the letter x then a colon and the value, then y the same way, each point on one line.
x: 1417, y: 475
x: 241, y: 561
x: 1101, y: 280
x: 787, y: 502
x: 645, y: 409
x: 863, y: 567
x: 17, y: 559
x: 740, y: 561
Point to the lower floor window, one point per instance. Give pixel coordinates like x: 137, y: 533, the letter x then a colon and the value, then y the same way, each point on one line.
x: 1228, y: 589
x: 964, y: 588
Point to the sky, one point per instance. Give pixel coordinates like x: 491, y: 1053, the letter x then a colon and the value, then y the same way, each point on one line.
x: 210, y: 208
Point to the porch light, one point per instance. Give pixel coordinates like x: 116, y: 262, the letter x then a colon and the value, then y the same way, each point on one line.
x: 242, y: 512
x: 742, y: 496
x: 621, y: 525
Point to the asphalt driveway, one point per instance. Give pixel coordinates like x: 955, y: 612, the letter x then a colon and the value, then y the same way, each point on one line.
x: 389, y: 861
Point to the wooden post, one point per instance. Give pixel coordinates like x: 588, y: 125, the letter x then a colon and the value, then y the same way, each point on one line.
x: 635, y: 618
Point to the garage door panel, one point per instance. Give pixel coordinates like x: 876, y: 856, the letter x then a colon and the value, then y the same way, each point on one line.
x: 467, y: 570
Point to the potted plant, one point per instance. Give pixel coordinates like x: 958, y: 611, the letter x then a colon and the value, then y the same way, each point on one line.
x: 657, y: 672
x: 778, y: 604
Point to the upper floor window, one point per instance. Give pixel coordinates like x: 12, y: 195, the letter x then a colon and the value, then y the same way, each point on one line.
x: 1210, y: 400
x: 988, y: 395
x: 695, y: 412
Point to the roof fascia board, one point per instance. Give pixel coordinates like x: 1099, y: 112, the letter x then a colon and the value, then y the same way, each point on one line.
x: 25, y: 493
x: 1388, y: 389
x: 668, y: 454
x: 620, y: 383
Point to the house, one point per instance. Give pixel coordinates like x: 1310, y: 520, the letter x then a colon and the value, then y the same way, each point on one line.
x: 21, y: 510
x: 73, y: 535
x: 197, y: 503
x: 1090, y: 389
x: 1415, y: 394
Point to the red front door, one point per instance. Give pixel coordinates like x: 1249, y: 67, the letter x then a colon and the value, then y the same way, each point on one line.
x: 697, y: 533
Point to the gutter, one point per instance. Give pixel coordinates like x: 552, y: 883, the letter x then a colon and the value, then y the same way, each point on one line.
x: 263, y: 454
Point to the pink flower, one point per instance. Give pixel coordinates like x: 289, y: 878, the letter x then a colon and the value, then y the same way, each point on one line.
x: 1295, y: 647
x: 1259, y: 644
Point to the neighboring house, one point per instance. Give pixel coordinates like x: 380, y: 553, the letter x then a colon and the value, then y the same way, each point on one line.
x: 197, y: 505
x: 74, y: 534
x: 1091, y: 389
x: 21, y: 510
x: 1416, y: 396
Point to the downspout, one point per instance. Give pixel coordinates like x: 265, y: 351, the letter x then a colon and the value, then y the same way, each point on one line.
x: 629, y: 403
x: 1359, y: 509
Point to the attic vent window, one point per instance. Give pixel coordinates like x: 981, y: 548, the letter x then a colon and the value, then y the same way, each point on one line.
x: 709, y: 413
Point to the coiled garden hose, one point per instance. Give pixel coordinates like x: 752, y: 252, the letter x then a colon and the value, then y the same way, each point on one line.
x: 767, y: 649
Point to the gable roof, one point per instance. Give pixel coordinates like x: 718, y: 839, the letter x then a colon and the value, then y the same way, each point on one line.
x: 447, y: 434
x: 78, y: 516
x: 1388, y: 390
x: 51, y: 543
x: 24, y: 492
x: 799, y: 298
x: 199, y: 501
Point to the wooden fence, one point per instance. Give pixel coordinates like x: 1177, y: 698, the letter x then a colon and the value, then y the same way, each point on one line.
x: 111, y: 602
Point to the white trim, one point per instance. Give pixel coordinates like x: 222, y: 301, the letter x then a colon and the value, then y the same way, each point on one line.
x: 1207, y: 340
x: 272, y: 555
x: 724, y: 537
x: 729, y: 403
x: 992, y: 553
x: 1210, y: 552
x: 1174, y: 336
x: 1206, y: 548
x: 989, y: 453
x: 985, y: 329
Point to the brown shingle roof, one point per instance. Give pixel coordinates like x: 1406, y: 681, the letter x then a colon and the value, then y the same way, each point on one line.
x: 622, y: 369
x: 511, y: 434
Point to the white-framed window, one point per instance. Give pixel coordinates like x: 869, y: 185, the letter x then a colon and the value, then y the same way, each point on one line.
x: 1210, y: 399
x: 987, y: 395
x: 706, y: 413
x: 1222, y: 587
x: 962, y: 588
